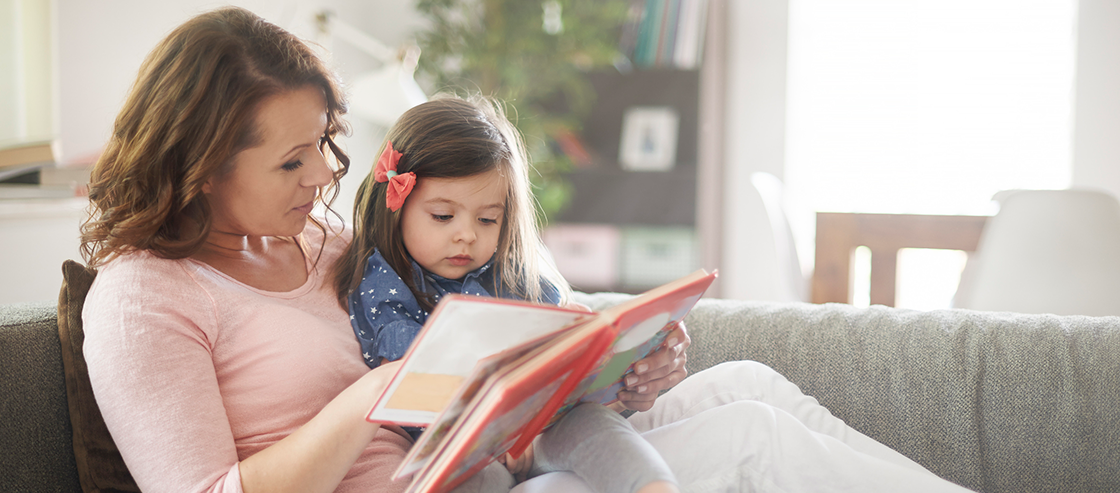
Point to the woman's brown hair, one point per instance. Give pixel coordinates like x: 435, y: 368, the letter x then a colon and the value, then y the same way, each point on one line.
x: 452, y: 137
x: 191, y: 109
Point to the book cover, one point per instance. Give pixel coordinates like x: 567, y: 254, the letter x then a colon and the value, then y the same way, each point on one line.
x: 688, y: 33
x: 512, y: 395
x: 25, y: 157
x: 628, y: 39
x: 501, y: 414
x: 646, y: 53
x: 27, y: 154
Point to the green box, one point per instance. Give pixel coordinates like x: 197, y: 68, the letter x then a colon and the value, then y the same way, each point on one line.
x: 652, y: 256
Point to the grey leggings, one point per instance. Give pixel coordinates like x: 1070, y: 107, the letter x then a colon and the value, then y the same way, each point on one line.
x: 596, y: 444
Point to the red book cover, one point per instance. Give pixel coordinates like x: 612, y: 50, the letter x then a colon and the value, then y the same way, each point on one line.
x: 512, y: 394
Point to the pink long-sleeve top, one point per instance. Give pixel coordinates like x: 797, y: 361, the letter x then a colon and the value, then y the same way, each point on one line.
x: 194, y: 371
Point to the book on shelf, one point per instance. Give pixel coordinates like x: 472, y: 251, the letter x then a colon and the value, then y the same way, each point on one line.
x: 665, y: 33
x: 24, y: 157
x: 487, y: 375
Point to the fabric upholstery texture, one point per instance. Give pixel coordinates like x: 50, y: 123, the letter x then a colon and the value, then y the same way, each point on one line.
x: 35, y: 450
x: 996, y: 402
x: 99, y: 463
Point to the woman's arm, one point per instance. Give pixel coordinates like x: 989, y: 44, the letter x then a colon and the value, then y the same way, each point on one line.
x: 321, y: 452
x: 293, y: 392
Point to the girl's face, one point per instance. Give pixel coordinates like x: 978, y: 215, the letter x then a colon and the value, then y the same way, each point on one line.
x: 270, y: 188
x: 451, y: 225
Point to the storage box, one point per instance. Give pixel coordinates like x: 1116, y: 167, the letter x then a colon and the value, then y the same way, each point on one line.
x: 585, y: 254
x: 654, y: 256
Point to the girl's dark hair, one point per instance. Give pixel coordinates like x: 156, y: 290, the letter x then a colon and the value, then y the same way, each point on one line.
x: 192, y: 108
x: 452, y: 137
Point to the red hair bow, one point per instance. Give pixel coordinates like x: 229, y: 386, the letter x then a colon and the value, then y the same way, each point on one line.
x: 399, y: 185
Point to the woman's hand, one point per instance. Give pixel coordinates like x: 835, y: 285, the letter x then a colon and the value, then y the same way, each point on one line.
x: 660, y: 370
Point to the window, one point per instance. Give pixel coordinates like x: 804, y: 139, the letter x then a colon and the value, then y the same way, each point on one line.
x: 925, y: 106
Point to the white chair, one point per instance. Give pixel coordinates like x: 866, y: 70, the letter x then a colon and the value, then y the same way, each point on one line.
x: 1047, y: 251
x: 791, y: 282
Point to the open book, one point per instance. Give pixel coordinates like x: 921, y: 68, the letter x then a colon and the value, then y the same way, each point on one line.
x: 487, y: 375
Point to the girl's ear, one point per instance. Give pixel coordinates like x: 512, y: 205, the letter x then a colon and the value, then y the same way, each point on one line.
x: 207, y: 187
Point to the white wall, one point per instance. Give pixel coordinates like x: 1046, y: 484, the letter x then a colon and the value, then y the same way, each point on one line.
x: 1096, y: 139
x: 755, y: 141
x: 26, y: 92
x: 37, y: 237
x: 100, y: 46
x: 9, y: 88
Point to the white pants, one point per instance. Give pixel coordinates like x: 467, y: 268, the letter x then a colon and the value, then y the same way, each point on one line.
x: 741, y: 426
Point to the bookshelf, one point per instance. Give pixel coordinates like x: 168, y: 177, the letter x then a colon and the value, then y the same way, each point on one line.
x: 627, y: 230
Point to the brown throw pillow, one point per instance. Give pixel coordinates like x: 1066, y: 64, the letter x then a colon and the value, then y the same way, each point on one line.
x: 100, y: 467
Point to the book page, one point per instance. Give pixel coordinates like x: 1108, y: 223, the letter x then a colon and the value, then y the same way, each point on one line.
x: 424, y: 391
x: 460, y: 332
x: 502, y: 411
x: 426, y: 445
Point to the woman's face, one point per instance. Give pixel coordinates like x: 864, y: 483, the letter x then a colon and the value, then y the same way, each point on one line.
x: 270, y: 188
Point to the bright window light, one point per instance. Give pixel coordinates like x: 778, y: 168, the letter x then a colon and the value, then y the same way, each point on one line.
x: 925, y: 106
x: 928, y: 278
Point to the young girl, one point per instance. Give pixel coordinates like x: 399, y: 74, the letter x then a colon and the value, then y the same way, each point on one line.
x: 447, y: 209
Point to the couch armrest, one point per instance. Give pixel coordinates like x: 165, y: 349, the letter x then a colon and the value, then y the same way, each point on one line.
x: 36, y: 447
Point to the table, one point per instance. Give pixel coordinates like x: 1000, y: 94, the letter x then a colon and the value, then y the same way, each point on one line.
x: 839, y: 233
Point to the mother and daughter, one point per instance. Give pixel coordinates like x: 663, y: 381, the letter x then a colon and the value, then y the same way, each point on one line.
x: 220, y: 330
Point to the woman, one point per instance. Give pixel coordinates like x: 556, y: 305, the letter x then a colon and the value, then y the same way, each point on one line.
x: 218, y: 353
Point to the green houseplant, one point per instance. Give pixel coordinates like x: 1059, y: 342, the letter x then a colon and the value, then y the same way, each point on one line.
x: 532, y: 55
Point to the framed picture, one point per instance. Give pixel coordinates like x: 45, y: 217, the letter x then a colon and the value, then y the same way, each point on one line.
x: 649, y: 138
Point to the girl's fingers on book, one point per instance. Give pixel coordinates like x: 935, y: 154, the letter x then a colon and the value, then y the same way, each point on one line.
x: 666, y: 360
x: 635, y: 401
x: 643, y: 401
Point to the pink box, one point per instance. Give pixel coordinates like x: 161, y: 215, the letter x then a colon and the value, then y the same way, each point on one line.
x: 585, y: 254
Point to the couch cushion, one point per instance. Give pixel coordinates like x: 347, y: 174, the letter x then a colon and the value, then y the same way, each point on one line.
x: 35, y: 447
x: 100, y: 467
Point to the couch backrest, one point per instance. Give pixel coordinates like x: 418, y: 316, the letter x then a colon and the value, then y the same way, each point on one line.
x: 36, y: 450
x: 992, y: 401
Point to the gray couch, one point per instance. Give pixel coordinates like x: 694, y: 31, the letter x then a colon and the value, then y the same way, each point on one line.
x: 992, y: 401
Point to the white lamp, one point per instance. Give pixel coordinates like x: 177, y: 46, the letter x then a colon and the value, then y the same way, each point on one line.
x: 383, y: 94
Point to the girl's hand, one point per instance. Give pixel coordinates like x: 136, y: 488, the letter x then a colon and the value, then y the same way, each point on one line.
x: 520, y: 466
x: 660, y: 370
